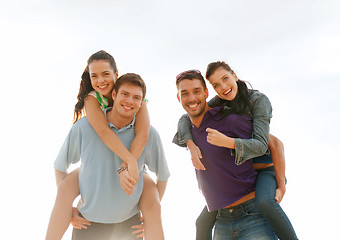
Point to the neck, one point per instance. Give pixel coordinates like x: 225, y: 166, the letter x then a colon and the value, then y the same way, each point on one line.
x: 117, y: 120
x: 197, y: 120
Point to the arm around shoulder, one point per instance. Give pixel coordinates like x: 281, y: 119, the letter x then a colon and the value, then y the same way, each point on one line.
x: 142, y: 129
x: 98, y: 121
x: 261, y: 113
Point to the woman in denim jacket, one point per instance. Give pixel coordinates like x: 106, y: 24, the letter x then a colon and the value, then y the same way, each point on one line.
x: 235, y: 96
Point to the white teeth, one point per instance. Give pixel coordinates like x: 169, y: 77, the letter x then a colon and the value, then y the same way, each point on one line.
x: 226, y: 92
x: 193, y: 105
x: 128, y: 108
x: 103, y: 86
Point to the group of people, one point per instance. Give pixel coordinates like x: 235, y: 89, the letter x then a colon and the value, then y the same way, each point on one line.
x: 240, y: 166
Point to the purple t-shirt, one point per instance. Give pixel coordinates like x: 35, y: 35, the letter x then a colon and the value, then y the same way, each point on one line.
x: 223, y: 182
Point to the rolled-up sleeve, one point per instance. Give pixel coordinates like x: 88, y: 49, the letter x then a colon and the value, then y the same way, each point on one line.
x: 70, y: 151
x: 183, y: 131
x: 261, y: 111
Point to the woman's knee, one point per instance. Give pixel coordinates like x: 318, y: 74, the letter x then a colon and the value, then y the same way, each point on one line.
x: 68, y: 189
x: 265, y: 204
x: 151, y: 206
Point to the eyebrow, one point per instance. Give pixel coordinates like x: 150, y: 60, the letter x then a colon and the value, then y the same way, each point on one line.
x: 197, y: 88
x: 106, y: 71
x: 134, y: 95
x: 225, y: 75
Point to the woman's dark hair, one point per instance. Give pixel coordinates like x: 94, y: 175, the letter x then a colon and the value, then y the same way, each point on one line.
x: 240, y: 105
x: 85, y: 83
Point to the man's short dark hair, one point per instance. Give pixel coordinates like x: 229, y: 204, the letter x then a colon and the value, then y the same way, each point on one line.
x: 132, y: 78
x: 191, y: 75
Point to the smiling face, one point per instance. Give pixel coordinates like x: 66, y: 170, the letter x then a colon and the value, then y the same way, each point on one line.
x: 192, y: 96
x: 102, y: 77
x: 127, y: 101
x: 224, y: 83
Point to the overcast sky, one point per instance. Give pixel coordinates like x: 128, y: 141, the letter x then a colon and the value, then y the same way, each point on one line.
x: 288, y: 50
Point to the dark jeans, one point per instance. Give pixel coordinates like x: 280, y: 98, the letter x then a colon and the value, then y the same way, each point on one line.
x: 265, y: 202
x: 243, y: 221
x: 108, y: 231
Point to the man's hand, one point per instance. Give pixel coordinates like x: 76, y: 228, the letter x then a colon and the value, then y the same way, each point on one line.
x: 216, y: 138
x: 280, y: 192
x: 139, y: 229
x: 127, y: 182
x: 196, y: 155
x: 77, y: 221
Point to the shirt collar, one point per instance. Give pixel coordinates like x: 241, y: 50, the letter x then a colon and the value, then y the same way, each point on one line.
x: 215, y: 113
x: 130, y: 125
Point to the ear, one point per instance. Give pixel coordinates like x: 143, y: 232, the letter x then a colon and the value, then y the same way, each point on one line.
x: 113, y: 94
x: 207, y: 92
x: 116, y: 76
x: 179, y: 99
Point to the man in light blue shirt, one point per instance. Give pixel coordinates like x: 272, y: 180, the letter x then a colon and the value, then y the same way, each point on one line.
x: 103, y: 201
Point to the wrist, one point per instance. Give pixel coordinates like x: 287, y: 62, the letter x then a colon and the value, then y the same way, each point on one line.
x: 281, y: 187
x: 121, y: 169
x: 230, y: 142
x: 130, y: 161
x: 189, y: 143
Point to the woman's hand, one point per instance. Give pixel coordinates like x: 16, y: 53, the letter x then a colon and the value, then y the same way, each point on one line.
x: 196, y: 155
x: 127, y: 182
x: 77, y: 221
x: 219, y: 139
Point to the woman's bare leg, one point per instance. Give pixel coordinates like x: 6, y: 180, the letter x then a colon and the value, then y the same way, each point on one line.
x: 68, y: 190
x: 150, y: 206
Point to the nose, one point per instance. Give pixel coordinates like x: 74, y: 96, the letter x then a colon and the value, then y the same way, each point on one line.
x: 223, y: 85
x: 100, y: 79
x: 191, y: 97
x: 129, y: 99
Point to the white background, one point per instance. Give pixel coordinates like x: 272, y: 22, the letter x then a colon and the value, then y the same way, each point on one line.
x: 289, y: 50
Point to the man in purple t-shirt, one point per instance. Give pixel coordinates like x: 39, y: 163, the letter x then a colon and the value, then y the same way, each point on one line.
x: 227, y: 187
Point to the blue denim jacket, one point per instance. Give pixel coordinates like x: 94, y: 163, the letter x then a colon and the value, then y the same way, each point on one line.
x: 245, y: 149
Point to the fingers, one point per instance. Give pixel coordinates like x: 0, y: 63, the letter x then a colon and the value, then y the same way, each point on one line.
x: 80, y: 223
x: 198, y: 164
x: 127, y: 187
x: 278, y: 196
x: 139, y: 229
x: 126, y: 183
x: 210, y: 130
x: 199, y: 153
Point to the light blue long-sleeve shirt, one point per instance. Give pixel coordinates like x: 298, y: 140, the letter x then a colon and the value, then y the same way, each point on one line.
x: 102, y: 198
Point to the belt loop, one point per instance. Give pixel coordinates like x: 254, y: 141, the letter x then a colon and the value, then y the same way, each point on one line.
x: 245, y: 210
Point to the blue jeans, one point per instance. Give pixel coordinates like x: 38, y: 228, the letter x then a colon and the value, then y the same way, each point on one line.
x: 265, y: 201
x: 243, y: 221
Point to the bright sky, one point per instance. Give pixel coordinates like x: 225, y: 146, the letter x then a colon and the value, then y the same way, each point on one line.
x: 288, y: 50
